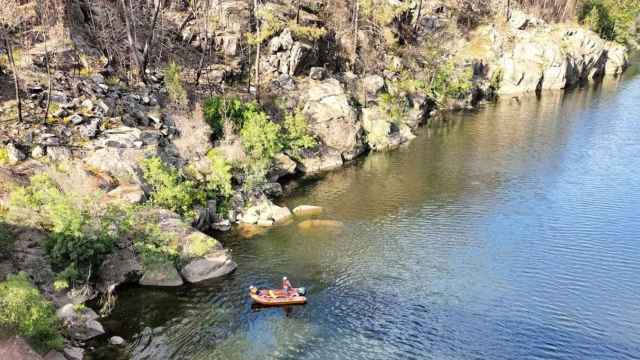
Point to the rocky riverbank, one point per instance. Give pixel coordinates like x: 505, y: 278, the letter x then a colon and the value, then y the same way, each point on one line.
x: 97, y: 132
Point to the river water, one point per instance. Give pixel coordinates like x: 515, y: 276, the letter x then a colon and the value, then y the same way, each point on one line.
x: 512, y: 232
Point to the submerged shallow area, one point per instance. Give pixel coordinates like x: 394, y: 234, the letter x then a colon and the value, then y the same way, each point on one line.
x: 508, y: 232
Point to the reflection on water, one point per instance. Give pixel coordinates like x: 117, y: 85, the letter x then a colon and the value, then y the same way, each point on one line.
x: 509, y: 232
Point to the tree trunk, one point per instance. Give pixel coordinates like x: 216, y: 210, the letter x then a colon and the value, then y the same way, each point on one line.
x: 298, y: 14
x: 355, y: 35
x: 255, y: 14
x: 415, y: 26
x: 148, y: 46
x: 16, y: 82
x: 135, y: 57
x: 46, y: 59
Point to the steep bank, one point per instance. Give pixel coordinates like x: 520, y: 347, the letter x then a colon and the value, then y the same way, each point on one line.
x: 92, y: 128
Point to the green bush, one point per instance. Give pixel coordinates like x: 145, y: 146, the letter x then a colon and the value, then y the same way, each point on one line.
x: 170, y: 190
x: 219, y: 179
x: 217, y: 110
x: 173, y: 82
x: 154, y: 246
x: 79, y: 234
x: 25, y: 312
x: 310, y: 33
x: 4, y: 156
x: 449, y: 82
x: 260, y: 136
x: 297, y: 137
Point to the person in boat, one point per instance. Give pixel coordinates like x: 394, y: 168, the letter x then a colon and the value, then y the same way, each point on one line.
x: 288, y: 289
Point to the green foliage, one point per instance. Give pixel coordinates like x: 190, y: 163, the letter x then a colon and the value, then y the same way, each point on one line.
x: 79, y: 235
x: 596, y: 16
x: 611, y: 19
x: 60, y: 284
x: 6, y: 239
x: 260, y: 136
x: 262, y: 141
x: 4, y: 156
x: 395, y: 107
x: 219, y: 178
x: 25, y: 312
x: 218, y: 110
x: 173, y: 82
x: 170, y: 190
x: 296, y: 137
x: 154, y: 246
x: 448, y: 82
x: 381, y: 11
x: 496, y: 79
x: 270, y: 25
x: 311, y: 33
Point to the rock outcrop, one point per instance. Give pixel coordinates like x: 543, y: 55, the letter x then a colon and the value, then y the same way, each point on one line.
x: 533, y: 56
x: 332, y: 119
x: 81, y: 322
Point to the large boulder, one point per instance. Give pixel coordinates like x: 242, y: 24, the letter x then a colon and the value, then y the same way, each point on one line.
x: 264, y: 213
x: 202, y: 257
x: 160, y: 273
x: 121, y: 266
x: 324, y: 159
x: 332, y: 118
x: 382, y: 133
x: 617, y: 59
x: 81, y: 322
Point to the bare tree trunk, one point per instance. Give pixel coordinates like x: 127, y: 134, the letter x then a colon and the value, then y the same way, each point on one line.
x: 255, y: 14
x: 130, y: 37
x: 205, y: 47
x: 46, y: 59
x: 415, y: 26
x: 355, y: 35
x: 298, y: 14
x: 148, y: 46
x: 508, y: 10
x: 16, y: 82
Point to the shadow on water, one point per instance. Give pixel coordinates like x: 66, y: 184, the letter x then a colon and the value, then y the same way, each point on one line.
x: 507, y: 232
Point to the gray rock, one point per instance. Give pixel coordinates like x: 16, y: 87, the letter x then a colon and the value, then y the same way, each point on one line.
x: 282, y: 166
x: 76, y: 119
x: 16, y: 348
x: 81, y: 323
x: 128, y: 193
x: 38, y: 152
x: 122, y: 137
x: 74, y: 353
x: 60, y: 113
x: 285, y: 81
x: 54, y: 355
x: 87, y: 104
x: 98, y: 79
x: 14, y: 154
x: 58, y: 153
x: 90, y: 130
x: 373, y: 85
x: 316, y: 73
x: 324, y: 160
x: 162, y: 273
x: 331, y: 118
x: 210, y: 266
x: 104, y: 108
x: 121, y: 266
x: 116, y: 341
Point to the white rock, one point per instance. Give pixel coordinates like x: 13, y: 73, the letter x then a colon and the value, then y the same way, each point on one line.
x: 116, y: 340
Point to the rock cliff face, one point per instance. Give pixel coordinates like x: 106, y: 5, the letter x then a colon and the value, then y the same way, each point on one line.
x: 531, y: 55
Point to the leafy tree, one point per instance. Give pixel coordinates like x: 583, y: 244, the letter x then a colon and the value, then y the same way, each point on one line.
x: 297, y: 137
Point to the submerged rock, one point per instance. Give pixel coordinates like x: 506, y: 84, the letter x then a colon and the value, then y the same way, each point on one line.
x: 316, y: 224
x: 208, y: 267
x: 307, y: 210
x: 265, y: 213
